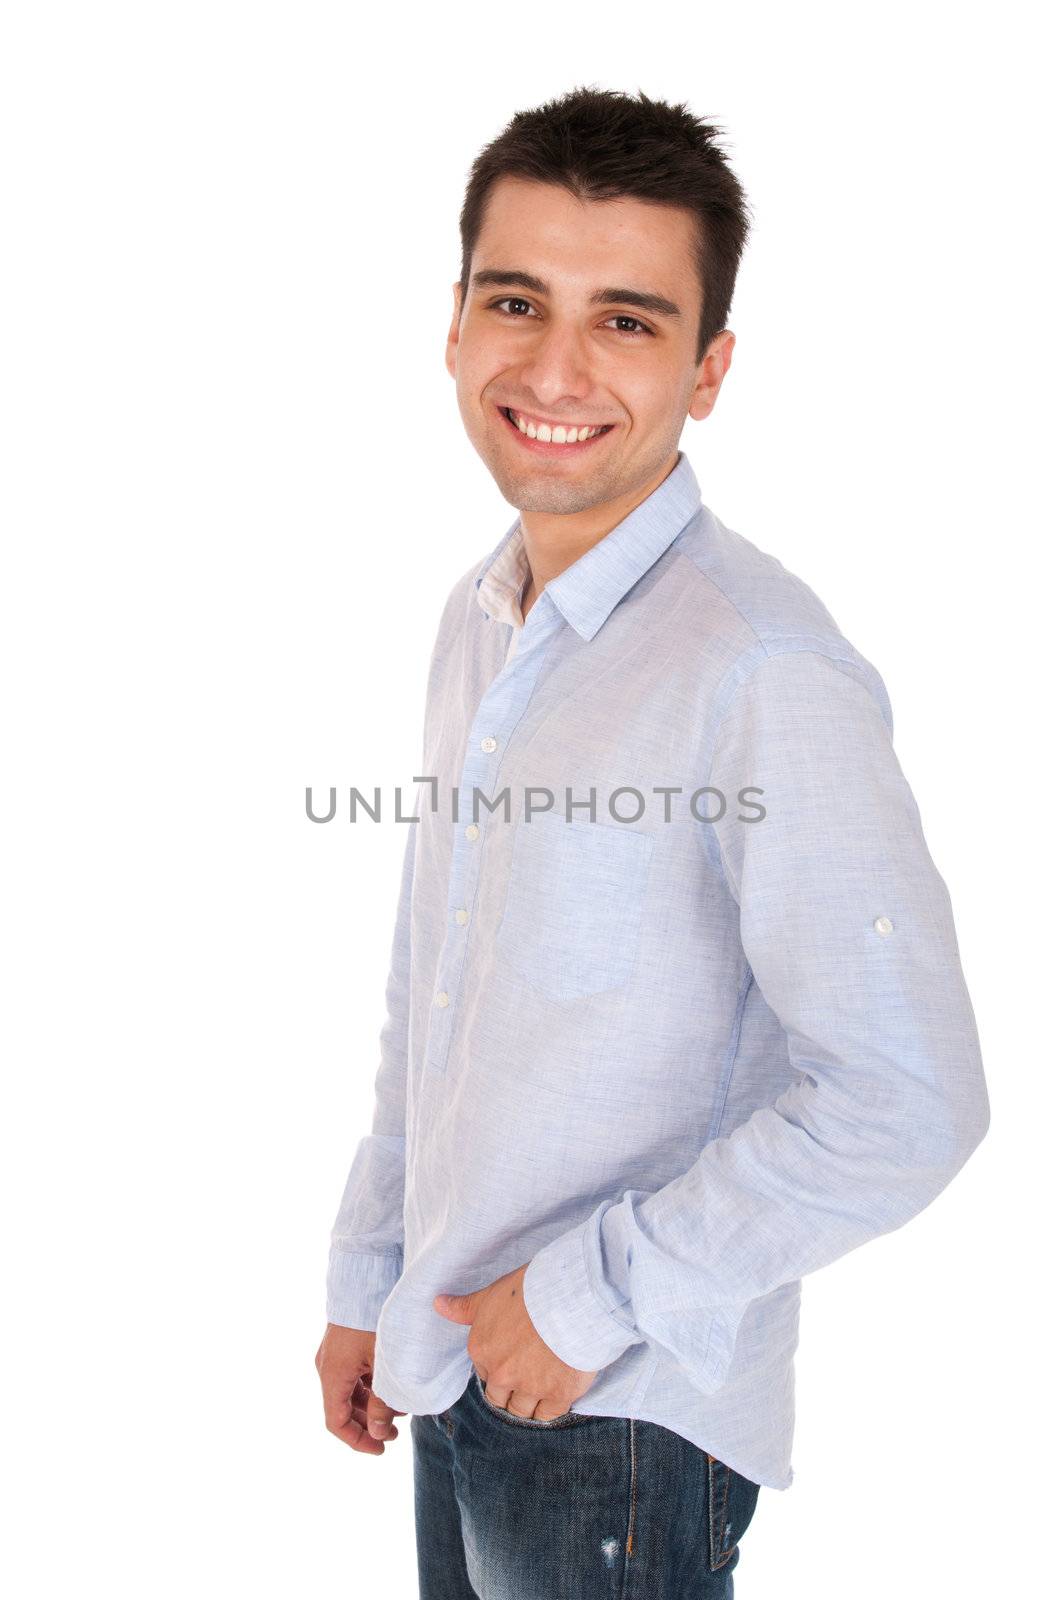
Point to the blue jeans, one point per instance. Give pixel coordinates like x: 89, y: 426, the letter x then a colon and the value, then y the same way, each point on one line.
x: 577, y: 1508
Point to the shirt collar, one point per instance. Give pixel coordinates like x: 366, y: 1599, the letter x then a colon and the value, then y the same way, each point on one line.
x: 588, y: 590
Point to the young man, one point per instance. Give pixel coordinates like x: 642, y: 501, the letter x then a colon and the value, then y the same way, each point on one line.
x: 675, y: 1011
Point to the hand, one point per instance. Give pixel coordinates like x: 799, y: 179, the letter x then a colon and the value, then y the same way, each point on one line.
x: 520, y: 1371
x: 353, y: 1412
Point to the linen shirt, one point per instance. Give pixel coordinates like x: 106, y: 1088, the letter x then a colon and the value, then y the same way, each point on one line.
x: 675, y: 1062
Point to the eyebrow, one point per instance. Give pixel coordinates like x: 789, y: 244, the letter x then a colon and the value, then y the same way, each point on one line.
x: 513, y: 278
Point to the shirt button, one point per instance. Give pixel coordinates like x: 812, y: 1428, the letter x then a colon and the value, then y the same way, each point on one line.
x: 489, y: 744
x: 461, y: 917
x: 472, y: 831
x: 442, y: 998
x: 883, y: 925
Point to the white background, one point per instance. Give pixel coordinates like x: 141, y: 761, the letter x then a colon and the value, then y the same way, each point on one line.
x: 236, y: 494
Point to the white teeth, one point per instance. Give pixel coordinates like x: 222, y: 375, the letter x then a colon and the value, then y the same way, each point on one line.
x: 556, y: 434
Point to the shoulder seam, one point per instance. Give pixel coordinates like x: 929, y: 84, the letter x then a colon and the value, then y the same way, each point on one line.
x: 834, y: 632
x: 796, y: 644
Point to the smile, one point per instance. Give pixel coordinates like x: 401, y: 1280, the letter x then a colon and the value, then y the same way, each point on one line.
x: 540, y: 432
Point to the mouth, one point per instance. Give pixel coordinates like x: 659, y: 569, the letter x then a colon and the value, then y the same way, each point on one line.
x: 553, y: 438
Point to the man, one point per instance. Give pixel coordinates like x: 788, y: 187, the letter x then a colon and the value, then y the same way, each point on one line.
x: 675, y: 1009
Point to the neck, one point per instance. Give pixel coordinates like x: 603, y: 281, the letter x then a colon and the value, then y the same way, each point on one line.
x: 553, y: 542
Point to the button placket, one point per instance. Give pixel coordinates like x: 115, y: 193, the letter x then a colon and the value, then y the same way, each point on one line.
x: 500, y: 709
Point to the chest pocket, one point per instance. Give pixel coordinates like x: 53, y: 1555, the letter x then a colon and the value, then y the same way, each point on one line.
x: 573, y: 909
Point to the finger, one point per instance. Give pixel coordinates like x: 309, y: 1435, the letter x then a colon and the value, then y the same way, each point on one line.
x: 339, y: 1393
x: 359, y: 1439
x: 498, y: 1397
x: 360, y: 1399
x: 380, y: 1418
x: 524, y: 1405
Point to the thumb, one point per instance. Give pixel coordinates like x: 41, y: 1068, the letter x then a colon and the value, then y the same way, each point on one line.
x: 456, y: 1307
x: 378, y: 1418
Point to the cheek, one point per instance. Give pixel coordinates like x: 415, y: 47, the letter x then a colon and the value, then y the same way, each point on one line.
x: 655, y: 402
x: 466, y: 385
x: 477, y: 370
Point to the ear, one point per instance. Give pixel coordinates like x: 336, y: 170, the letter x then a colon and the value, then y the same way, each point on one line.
x: 711, y: 374
x: 452, y: 336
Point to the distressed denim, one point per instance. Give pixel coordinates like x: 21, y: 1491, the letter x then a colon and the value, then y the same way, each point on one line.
x: 577, y: 1508
x: 672, y: 1063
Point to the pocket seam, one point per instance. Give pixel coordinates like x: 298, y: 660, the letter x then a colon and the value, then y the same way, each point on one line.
x: 718, y: 1558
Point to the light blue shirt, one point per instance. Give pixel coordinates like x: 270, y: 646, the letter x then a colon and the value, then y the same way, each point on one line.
x: 674, y: 1062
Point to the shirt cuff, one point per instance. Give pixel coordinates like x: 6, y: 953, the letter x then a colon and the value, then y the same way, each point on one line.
x: 565, y: 1308
x: 358, y: 1285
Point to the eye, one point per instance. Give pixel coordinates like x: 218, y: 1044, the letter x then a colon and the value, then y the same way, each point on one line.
x: 512, y: 300
x: 636, y: 331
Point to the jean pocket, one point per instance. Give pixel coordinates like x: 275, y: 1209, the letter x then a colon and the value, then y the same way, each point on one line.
x: 567, y: 1419
x: 573, y: 911
x: 732, y: 1502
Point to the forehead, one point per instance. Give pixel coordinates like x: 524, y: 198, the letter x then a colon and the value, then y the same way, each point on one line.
x: 543, y: 229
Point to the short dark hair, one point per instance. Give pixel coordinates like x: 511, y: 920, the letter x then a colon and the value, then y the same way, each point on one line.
x: 600, y: 144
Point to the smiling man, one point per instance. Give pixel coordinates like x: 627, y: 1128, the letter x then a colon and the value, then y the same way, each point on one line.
x: 675, y: 1012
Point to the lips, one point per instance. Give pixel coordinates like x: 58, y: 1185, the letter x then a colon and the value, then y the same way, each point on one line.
x: 544, y: 434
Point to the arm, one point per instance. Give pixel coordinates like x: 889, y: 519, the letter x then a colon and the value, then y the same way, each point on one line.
x: 365, y: 1260
x: 888, y: 1098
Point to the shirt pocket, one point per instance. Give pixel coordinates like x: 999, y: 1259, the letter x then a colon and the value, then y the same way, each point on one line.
x: 573, y: 910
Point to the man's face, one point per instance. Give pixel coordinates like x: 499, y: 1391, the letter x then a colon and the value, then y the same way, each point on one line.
x: 580, y: 315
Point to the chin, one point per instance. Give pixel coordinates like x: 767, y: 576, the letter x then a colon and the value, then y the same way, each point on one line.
x: 557, y: 499
x: 538, y: 492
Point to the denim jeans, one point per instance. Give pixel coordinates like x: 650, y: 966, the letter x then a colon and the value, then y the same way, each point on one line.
x: 575, y: 1508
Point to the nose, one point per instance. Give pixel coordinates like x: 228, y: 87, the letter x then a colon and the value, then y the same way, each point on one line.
x: 557, y: 370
